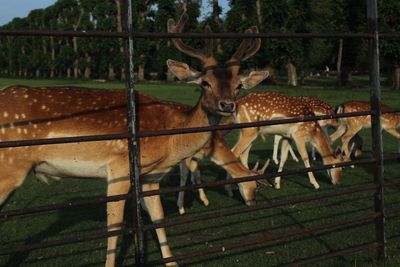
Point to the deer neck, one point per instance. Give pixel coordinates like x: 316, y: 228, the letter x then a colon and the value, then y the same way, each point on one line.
x: 199, y: 116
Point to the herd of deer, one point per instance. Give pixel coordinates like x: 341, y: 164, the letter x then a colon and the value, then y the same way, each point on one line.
x: 38, y: 113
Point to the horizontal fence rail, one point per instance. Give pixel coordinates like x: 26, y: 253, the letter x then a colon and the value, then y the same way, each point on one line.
x: 92, y: 138
x: 267, y: 237
x: 196, y: 35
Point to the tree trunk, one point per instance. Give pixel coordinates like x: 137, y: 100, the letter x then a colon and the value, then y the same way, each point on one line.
x: 344, y: 76
x: 76, y: 67
x: 75, y: 26
x: 111, y: 73
x: 53, y: 57
x: 259, y: 15
x: 88, y: 71
x: 396, y: 77
x: 140, y: 72
x: 292, y: 73
x: 339, y: 58
x: 170, y: 76
x: 121, y: 42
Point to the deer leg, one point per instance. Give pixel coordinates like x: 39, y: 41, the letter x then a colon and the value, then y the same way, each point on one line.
x: 246, y: 138
x: 301, y: 147
x: 346, y: 139
x: 155, y: 210
x: 338, y: 133
x: 13, y: 175
x: 277, y: 139
x: 118, y: 184
x: 184, y: 171
x: 196, y: 179
x: 284, y: 155
x: 313, y: 153
x: 292, y: 153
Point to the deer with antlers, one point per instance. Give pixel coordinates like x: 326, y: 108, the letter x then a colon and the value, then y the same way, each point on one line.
x: 349, y: 127
x: 268, y: 106
x: 37, y: 113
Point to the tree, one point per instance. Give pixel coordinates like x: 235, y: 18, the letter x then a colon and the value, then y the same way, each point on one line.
x: 389, y: 21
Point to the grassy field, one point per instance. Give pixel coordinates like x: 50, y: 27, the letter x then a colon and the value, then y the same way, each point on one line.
x: 219, y: 231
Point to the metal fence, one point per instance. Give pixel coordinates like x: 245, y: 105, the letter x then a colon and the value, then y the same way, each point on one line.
x: 133, y: 134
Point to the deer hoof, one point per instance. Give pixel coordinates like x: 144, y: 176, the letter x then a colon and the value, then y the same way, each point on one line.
x: 172, y: 264
x: 316, y: 186
x: 206, y: 202
x: 277, y: 186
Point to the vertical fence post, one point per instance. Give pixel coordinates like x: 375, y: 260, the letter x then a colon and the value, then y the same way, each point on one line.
x: 375, y: 97
x: 133, y: 142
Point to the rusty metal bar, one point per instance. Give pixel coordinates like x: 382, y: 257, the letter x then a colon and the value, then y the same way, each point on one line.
x: 133, y: 141
x: 254, y: 178
x: 332, y: 254
x: 290, y: 201
x: 91, y: 138
x: 377, y: 146
x: 65, y: 241
x: 264, y: 238
x: 68, y: 205
x: 197, y: 35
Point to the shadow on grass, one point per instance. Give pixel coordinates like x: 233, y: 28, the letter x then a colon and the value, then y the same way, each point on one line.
x: 66, y: 219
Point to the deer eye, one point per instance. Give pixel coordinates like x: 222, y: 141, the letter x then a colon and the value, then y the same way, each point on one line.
x: 205, y: 85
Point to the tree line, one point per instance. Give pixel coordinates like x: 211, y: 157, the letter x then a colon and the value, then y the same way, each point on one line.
x: 103, y: 58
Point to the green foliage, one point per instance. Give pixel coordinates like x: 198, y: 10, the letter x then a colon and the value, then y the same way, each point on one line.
x: 46, y: 56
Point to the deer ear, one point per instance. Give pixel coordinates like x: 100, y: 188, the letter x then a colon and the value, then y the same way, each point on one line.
x: 254, y: 78
x: 183, y: 72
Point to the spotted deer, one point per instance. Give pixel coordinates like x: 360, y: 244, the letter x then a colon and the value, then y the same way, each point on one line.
x: 269, y: 106
x: 227, y: 160
x: 37, y: 113
x: 349, y: 127
x: 319, y: 108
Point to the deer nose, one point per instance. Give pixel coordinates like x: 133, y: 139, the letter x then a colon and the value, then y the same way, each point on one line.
x: 227, y: 106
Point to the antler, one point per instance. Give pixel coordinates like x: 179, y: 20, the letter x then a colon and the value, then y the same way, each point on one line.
x: 247, y: 48
x: 184, y: 48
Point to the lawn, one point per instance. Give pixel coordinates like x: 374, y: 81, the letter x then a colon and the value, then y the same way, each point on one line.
x: 222, y: 230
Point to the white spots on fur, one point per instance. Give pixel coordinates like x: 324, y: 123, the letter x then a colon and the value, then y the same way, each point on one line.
x: 5, y: 114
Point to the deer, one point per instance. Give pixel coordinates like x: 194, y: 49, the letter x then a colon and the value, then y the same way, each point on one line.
x: 40, y: 113
x: 319, y: 108
x: 190, y: 166
x: 269, y: 106
x: 349, y: 127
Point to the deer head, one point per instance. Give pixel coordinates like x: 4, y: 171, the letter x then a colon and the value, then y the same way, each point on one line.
x: 219, y: 83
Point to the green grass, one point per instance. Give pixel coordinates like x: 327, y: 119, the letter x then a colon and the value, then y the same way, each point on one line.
x: 219, y: 231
